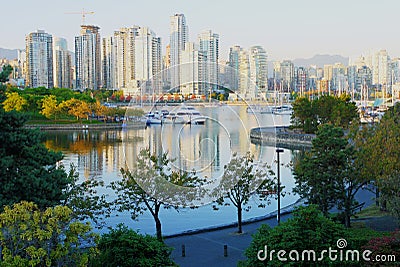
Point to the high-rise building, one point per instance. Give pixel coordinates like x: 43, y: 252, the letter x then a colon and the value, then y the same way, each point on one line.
x: 352, y: 79
x: 234, y: 62
x: 258, y: 70
x: 209, y: 47
x: 62, y: 64
x: 301, y: 80
x: 287, y: 75
x: 39, y: 58
x: 363, y: 80
x: 339, y: 78
x: 395, y: 69
x: 191, y: 60
x: 244, y: 75
x: 148, y: 61
x: 108, y: 63
x: 179, y: 35
x: 380, y: 68
x: 125, y: 57
x: 22, y: 66
x: 88, y: 58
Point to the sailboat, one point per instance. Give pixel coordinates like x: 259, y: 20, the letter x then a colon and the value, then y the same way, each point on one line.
x: 282, y: 109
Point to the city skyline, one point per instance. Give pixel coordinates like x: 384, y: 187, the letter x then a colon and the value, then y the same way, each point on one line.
x: 286, y: 29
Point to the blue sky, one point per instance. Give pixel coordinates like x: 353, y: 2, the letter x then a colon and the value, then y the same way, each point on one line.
x: 287, y: 29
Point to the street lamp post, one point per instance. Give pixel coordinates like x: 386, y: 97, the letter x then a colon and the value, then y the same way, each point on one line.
x: 279, y: 150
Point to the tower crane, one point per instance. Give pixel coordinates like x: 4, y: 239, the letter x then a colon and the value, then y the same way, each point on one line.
x: 83, y: 13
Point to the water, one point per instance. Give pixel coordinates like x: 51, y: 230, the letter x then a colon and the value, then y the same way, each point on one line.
x: 205, y: 148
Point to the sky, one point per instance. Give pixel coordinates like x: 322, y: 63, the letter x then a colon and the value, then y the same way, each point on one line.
x: 287, y: 29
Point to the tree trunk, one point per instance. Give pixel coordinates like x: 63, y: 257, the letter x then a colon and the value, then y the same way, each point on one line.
x: 158, y: 222
x: 158, y: 229
x: 239, y: 207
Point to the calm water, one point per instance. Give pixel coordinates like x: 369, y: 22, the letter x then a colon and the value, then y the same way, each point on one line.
x: 205, y: 148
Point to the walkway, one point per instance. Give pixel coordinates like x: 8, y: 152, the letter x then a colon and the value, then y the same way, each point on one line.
x: 207, y: 248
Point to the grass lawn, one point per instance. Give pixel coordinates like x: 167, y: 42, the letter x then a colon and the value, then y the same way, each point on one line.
x: 371, y: 211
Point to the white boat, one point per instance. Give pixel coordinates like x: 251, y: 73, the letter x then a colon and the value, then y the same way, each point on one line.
x: 283, y: 110
x: 185, y: 114
x: 154, y: 118
x: 172, y: 118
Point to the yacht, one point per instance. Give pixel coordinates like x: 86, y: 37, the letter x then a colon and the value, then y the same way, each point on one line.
x: 283, y: 110
x: 185, y: 115
x: 154, y: 117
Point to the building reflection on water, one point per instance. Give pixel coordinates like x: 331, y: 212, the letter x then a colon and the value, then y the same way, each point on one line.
x: 205, y: 148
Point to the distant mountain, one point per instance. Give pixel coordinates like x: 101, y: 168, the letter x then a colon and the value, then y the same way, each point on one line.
x: 321, y: 60
x: 9, y: 54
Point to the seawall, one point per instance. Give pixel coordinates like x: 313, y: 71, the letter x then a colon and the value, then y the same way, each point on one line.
x: 281, y: 136
x: 79, y: 126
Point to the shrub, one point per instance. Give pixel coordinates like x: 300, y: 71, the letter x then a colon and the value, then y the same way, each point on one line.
x: 307, y: 230
x: 125, y: 247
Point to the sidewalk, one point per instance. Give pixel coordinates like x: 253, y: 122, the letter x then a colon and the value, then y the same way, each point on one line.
x: 206, y: 248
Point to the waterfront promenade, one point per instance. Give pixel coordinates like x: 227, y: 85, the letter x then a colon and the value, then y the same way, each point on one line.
x: 206, y: 248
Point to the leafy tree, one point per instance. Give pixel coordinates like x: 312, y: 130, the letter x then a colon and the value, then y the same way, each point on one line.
x: 303, y: 115
x: 100, y: 110
x: 339, y: 111
x: 380, y: 157
x: 125, y: 247
x: 324, y: 107
x: 152, y: 170
x: 390, y: 193
x: 50, y: 109
x: 28, y: 171
x: 345, y: 112
x: 14, y: 102
x: 307, y: 230
x: 31, y: 237
x: 5, y: 73
x: 326, y: 175
x: 84, y: 200
x: 240, y: 178
x: 77, y: 108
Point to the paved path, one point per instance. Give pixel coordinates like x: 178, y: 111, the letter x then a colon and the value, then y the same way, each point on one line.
x: 207, y: 248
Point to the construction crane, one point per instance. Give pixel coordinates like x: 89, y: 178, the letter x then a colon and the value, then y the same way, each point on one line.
x: 83, y: 13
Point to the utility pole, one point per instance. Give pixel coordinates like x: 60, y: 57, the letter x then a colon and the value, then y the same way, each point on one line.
x: 279, y: 150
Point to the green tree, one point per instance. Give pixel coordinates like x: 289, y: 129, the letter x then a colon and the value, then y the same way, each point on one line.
x: 241, y: 177
x: 380, y: 157
x: 339, y: 111
x: 84, y: 200
x: 31, y: 237
x: 303, y: 115
x: 151, y: 170
x: 326, y: 175
x: 125, y: 247
x: 28, y: 171
x: 5, y: 73
x: 14, y: 102
x: 307, y: 230
x: 50, y: 108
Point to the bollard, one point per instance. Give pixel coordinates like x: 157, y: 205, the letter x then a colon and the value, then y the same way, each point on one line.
x: 225, y: 250
x: 183, y: 251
